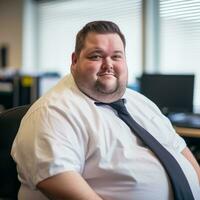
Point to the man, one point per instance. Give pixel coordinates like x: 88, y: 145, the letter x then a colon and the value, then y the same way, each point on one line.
x: 68, y: 147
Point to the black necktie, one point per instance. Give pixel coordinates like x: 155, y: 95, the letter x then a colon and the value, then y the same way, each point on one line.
x: 179, y: 182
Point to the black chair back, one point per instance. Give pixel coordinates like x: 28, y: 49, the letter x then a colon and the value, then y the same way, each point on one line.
x: 9, y: 124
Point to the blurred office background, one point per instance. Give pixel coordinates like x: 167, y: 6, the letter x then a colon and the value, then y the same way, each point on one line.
x: 37, y: 38
x: 163, y: 36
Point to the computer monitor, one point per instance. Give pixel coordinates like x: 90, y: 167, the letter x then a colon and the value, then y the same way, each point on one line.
x: 171, y: 93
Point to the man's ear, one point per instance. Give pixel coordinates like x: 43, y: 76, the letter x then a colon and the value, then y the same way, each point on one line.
x: 74, y: 58
x: 73, y: 61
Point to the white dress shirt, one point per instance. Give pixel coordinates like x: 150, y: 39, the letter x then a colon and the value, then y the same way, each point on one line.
x: 64, y: 131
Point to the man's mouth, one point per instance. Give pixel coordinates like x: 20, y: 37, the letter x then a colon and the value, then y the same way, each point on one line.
x: 106, y: 74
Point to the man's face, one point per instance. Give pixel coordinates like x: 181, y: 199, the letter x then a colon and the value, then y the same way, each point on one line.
x: 100, y: 71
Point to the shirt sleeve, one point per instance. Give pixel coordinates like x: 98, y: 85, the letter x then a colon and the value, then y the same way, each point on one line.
x: 167, y: 134
x: 161, y: 127
x: 174, y: 139
x: 49, y: 142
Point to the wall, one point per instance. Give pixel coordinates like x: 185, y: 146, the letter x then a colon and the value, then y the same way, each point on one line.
x: 11, y: 30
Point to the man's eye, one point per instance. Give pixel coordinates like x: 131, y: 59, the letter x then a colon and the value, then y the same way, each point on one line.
x: 117, y: 57
x: 95, y: 57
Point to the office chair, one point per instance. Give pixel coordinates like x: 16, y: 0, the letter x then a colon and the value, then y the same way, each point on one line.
x: 9, y: 123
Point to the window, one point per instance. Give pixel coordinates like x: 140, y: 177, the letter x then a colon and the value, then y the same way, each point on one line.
x: 180, y: 40
x: 59, y: 21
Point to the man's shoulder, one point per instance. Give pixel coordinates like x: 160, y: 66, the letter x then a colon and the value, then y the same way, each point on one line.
x: 65, y: 89
x: 137, y: 99
x: 62, y: 96
x: 132, y: 94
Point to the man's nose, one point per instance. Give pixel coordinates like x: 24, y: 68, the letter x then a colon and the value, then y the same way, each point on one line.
x: 107, y: 64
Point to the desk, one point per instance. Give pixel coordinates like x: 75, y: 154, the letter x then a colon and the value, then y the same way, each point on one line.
x: 192, y: 138
x: 188, y: 132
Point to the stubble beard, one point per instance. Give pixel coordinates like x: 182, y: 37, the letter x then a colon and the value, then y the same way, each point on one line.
x: 102, y: 88
x: 99, y: 90
x: 109, y: 94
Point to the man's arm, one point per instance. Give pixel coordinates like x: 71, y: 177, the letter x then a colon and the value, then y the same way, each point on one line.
x: 67, y: 186
x: 189, y: 156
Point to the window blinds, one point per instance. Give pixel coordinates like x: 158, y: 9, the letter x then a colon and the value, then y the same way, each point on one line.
x: 180, y: 39
x: 59, y: 21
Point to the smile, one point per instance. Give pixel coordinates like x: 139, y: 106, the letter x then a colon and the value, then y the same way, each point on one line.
x: 106, y: 74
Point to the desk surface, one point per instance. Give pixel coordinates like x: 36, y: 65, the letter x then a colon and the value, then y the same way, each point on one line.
x: 188, y: 132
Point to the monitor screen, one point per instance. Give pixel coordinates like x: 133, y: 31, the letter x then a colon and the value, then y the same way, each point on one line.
x: 171, y: 93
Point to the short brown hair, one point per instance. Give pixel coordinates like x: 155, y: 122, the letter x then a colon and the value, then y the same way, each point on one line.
x: 101, y: 27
